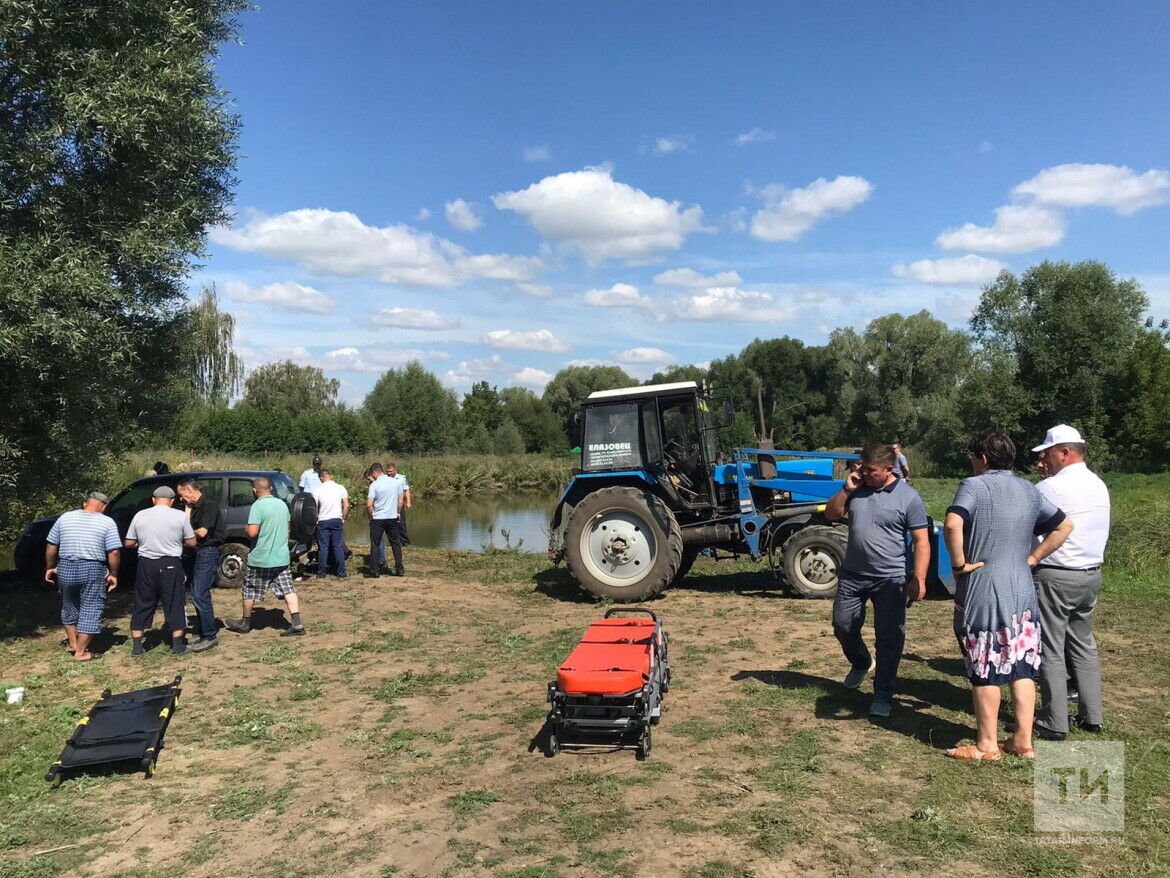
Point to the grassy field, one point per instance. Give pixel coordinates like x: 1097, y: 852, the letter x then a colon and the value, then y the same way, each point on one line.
x: 393, y: 739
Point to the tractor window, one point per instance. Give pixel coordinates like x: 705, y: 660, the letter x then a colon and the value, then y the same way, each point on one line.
x: 680, y: 442
x: 650, y: 431
x: 611, y: 438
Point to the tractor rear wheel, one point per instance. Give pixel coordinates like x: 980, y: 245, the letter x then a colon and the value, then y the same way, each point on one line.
x: 623, y: 544
x: 689, y: 554
x: 812, y: 559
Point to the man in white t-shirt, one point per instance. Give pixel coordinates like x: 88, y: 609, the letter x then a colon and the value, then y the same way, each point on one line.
x: 407, y: 502
x: 332, y: 511
x: 1067, y: 585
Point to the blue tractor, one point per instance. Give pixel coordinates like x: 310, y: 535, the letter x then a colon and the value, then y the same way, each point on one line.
x: 652, y: 493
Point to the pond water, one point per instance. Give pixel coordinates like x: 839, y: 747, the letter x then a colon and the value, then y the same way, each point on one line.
x: 469, y: 523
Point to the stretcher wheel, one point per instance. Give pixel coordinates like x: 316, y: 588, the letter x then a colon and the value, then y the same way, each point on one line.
x: 148, y: 767
x: 655, y: 720
x: 56, y: 781
x: 554, y: 745
x: 666, y: 681
x: 106, y: 693
x: 643, y: 748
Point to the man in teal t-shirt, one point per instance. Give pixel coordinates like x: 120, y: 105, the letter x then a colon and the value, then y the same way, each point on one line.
x: 268, y: 525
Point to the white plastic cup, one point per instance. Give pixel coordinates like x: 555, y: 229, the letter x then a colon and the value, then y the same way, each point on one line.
x: 15, y: 694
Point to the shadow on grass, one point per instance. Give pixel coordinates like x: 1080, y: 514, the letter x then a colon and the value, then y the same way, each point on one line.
x: 913, y: 714
x: 558, y: 584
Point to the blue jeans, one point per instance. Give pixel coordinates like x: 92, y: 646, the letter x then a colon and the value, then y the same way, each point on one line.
x: 202, y: 580
x: 889, y: 625
x: 329, y: 539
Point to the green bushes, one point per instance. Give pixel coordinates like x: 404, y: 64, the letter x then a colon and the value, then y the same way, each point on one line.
x: 249, y: 430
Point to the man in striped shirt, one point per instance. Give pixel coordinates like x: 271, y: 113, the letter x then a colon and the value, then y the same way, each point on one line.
x: 82, y: 556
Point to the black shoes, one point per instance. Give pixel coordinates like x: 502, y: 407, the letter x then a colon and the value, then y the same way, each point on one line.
x: 240, y: 626
x: 294, y: 631
x: 1084, y: 726
x: 205, y: 644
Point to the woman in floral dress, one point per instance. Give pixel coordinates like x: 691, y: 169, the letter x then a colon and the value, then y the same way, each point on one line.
x: 990, y: 531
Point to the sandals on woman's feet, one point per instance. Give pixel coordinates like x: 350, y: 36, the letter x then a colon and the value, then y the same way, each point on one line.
x: 974, y: 754
x: 1011, y: 750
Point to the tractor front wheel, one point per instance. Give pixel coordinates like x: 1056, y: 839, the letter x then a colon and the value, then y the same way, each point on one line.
x: 812, y: 560
x: 623, y: 544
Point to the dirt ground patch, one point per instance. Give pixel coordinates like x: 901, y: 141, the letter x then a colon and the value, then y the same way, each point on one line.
x: 393, y: 739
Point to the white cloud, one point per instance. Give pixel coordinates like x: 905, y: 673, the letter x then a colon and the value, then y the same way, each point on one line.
x: 424, y: 214
x: 688, y: 277
x: 534, y: 378
x: 727, y: 305
x: 589, y: 362
x: 641, y: 356
x: 617, y: 296
x: 969, y: 269
x: 788, y: 214
x: 539, y: 291
x: 339, y: 243
x: 536, y: 340
x: 601, y: 217
x: 985, y: 147
x: 538, y: 153
x: 413, y: 318
x: 346, y: 359
x: 668, y: 145
x: 470, y: 371
x: 756, y: 135
x: 1017, y: 229
x: 289, y: 295
x: 461, y: 215
x: 1081, y: 185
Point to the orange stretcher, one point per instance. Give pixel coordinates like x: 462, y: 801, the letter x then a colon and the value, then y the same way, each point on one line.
x: 608, y: 692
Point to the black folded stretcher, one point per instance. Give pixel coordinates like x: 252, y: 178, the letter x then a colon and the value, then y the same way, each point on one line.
x: 120, y: 731
x: 609, y: 690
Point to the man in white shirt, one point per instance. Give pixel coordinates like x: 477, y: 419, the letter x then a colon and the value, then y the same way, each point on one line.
x: 332, y: 511
x: 311, y: 478
x: 1067, y: 585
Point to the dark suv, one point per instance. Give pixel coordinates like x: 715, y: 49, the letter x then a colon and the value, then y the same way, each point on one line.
x: 233, y: 490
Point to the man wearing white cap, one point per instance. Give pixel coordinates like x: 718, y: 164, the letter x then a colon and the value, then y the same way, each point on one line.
x: 1067, y: 585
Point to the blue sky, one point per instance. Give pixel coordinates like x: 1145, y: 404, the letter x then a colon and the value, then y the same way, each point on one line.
x: 502, y: 189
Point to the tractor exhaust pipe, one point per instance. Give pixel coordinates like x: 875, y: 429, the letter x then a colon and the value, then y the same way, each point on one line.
x: 793, y: 511
x: 706, y: 534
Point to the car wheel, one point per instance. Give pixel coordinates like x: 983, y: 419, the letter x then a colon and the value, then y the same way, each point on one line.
x: 233, y: 564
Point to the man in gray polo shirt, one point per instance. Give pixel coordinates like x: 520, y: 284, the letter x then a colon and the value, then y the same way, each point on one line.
x: 882, y: 510
x: 160, y: 533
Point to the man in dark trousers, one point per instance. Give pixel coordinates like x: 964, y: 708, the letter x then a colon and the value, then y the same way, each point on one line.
x: 160, y: 532
x: 882, y: 510
x: 207, y: 523
x: 384, y: 502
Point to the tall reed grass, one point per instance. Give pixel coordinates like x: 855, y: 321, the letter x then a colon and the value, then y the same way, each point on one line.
x: 429, y: 475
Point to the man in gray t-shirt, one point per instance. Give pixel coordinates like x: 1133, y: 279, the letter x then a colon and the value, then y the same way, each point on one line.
x: 882, y: 511
x: 160, y: 533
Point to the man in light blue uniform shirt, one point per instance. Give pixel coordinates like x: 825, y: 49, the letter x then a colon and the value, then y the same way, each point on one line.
x: 311, y: 478
x: 384, y: 503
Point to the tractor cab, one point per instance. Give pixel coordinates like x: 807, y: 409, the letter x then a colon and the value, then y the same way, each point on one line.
x: 663, y: 431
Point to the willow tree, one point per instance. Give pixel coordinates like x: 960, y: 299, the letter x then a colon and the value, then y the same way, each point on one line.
x: 116, y: 153
x: 216, y: 370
